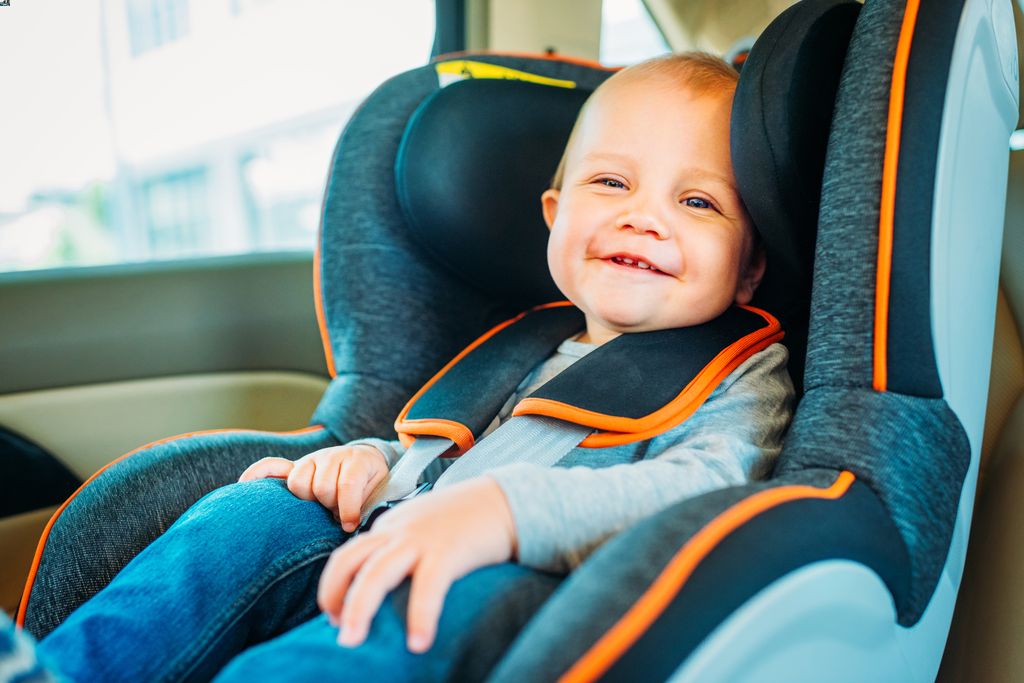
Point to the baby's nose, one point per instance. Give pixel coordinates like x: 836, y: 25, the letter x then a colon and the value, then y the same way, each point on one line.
x: 643, y: 224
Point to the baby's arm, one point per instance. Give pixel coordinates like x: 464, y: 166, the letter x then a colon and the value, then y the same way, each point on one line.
x: 562, y: 514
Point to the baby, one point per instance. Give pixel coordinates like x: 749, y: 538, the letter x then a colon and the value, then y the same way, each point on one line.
x: 647, y: 232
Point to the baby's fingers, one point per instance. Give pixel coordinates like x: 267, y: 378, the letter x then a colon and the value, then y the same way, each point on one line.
x: 267, y: 467
x: 381, y: 572
x: 300, y: 479
x: 353, y: 477
x: 430, y: 584
x: 342, y: 565
x: 325, y: 482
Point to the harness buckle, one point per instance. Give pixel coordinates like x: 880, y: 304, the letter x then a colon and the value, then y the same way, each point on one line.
x: 386, y: 505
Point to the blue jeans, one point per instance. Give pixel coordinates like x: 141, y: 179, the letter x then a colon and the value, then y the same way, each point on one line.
x: 230, y: 588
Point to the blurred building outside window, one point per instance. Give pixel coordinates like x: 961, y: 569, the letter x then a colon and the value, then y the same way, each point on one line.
x: 152, y: 23
x: 177, y: 212
x: 139, y: 130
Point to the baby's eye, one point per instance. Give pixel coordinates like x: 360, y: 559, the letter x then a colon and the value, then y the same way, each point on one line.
x: 698, y: 203
x: 611, y: 182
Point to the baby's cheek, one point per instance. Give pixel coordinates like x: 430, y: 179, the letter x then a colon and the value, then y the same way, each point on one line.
x: 559, y: 267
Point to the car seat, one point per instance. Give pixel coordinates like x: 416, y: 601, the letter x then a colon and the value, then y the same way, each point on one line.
x: 845, y: 563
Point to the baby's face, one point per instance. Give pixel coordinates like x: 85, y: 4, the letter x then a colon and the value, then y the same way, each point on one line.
x: 648, y: 231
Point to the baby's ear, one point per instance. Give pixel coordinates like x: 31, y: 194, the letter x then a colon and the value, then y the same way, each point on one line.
x: 549, y: 205
x: 750, y: 279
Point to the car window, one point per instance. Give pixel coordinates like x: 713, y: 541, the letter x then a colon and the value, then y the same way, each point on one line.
x: 628, y: 33
x: 140, y: 130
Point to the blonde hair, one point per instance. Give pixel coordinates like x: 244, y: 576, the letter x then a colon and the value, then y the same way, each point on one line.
x: 701, y: 72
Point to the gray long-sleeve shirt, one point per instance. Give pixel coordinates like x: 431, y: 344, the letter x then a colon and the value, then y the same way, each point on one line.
x: 563, y: 513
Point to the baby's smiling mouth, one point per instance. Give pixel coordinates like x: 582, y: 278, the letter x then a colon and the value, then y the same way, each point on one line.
x: 634, y: 263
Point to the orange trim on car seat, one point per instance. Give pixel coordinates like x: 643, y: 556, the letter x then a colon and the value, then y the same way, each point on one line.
x: 616, y: 431
x: 321, y: 317
x: 888, y: 199
x: 23, y: 607
x: 449, y: 429
x: 666, y: 586
x: 580, y: 61
x: 459, y: 433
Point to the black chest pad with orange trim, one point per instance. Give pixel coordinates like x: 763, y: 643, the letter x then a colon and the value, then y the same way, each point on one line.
x: 629, y: 389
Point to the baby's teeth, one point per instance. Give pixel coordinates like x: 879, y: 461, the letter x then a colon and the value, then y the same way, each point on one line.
x: 627, y: 261
x: 641, y: 264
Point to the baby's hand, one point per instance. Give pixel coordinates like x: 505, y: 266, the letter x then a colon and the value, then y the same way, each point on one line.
x: 341, y: 478
x: 438, y: 537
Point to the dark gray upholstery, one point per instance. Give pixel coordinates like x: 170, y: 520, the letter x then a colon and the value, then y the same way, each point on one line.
x: 843, y: 302
x: 912, y: 451
x: 394, y: 316
x: 134, y: 501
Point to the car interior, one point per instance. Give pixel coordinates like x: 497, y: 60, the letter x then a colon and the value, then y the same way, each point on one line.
x: 210, y: 361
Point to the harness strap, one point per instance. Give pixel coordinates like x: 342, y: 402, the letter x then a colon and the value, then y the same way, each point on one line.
x: 530, y: 438
x: 403, y: 477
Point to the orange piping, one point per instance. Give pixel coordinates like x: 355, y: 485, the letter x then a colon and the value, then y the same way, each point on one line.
x: 321, y: 317
x: 888, y: 205
x: 23, y: 607
x: 604, y: 653
x: 447, y: 428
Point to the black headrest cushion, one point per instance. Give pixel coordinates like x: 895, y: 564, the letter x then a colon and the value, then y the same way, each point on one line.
x: 780, y: 124
x: 781, y: 117
x: 471, y: 167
